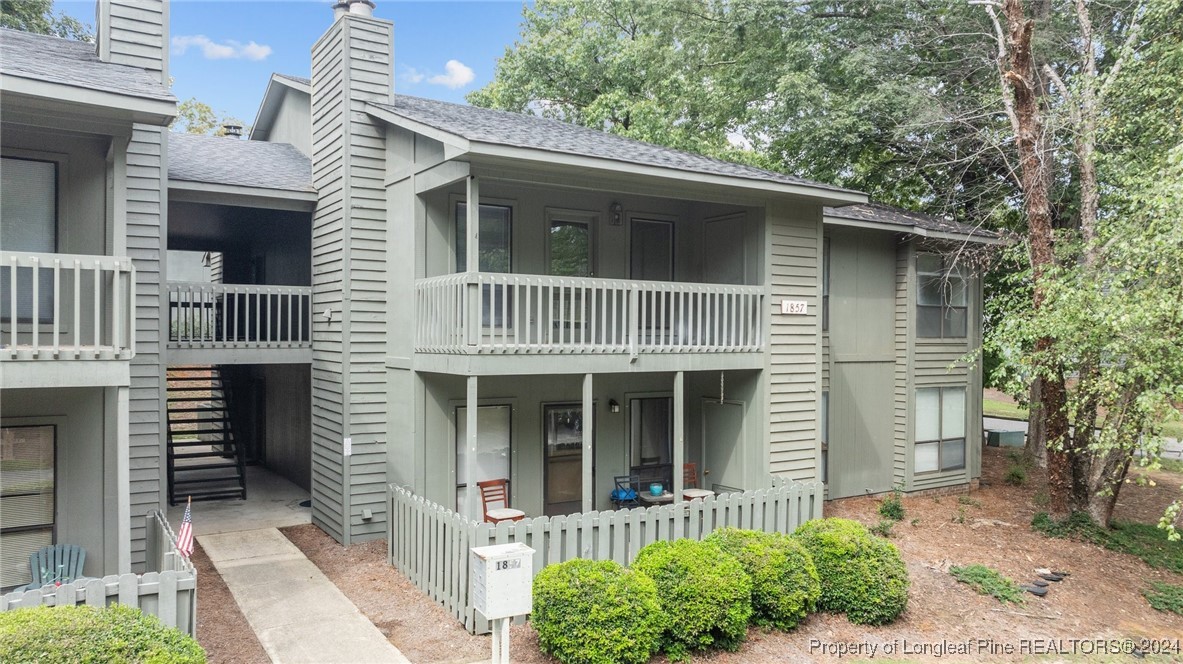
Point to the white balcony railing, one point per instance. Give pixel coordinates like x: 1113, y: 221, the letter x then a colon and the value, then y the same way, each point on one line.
x: 522, y: 313
x: 205, y: 315
x: 66, y: 307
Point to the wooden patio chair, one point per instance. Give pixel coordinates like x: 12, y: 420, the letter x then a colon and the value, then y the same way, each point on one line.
x: 690, y: 489
x: 495, y: 492
x: 56, y: 563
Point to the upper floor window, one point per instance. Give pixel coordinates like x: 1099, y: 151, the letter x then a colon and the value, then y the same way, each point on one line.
x: 942, y: 298
x: 28, y: 222
x: 495, y: 253
x: 940, y: 429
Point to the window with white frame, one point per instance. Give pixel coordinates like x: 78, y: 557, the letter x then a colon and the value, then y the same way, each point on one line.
x: 28, y: 222
x: 940, y: 429
x: 942, y: 298
x: 26, y: 498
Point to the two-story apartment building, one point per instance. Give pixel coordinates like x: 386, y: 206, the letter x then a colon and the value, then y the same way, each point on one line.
x: 428, y: 294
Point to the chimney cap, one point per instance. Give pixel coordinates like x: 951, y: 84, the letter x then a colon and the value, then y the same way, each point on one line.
x: 232, y: 129
x: 340, y: 8
x: 361, y: 7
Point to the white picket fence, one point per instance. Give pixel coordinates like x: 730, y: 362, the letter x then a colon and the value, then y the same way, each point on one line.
x: 168, y: 590
x: 430, y: 543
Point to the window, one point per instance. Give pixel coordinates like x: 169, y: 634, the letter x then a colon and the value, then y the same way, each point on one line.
x: 495, y: 254
x: 825, y: 284
x: 651, y: 429
x: 942, y: 298
x: 825, y: 430
x: 569, y: 246
x: 940, y: 429
x: 28, y: 222
x: 26, y: 498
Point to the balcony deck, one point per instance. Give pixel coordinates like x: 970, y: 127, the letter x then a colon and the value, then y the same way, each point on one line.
x: 526, y: 316
x: 239, y: 323
x: 66, y: 319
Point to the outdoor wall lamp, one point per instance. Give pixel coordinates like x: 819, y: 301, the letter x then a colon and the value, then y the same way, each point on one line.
x: 613, y: 406
x: 617, y: 217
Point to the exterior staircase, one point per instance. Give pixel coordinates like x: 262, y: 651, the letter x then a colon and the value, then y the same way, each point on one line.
x: 206, y: 461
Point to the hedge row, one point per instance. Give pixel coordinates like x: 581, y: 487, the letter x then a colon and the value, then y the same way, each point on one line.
x: 684, y: 596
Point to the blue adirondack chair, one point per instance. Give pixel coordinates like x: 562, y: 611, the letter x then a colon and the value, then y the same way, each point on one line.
x: 59, y: 562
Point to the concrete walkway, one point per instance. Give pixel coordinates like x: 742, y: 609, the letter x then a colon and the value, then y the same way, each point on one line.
x: 297, y: 613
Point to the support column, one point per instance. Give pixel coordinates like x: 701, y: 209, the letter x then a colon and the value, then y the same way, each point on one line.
x: 472, y: 235
x: 473, y: 499
x: 123, y: 475
x: 679, y: 433
x: 589, y: 436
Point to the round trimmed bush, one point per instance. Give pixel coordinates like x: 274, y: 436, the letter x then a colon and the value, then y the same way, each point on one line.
x: 862, y: 575
x: 593, y: 612
x: 785, y: 586
x: 706, y: 595
x: 116, y: 633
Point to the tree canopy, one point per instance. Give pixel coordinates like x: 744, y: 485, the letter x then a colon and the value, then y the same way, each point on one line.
x: 38, y: 16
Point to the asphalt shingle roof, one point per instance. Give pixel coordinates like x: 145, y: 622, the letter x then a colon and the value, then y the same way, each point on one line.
x: 232, y: 161
x: 886, y: 214
x: 68, y: 62
x: 298, y: 79
x: 530, y: 131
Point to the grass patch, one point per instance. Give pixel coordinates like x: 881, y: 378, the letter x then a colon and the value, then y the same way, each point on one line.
x: 987, y: 581
x: 1003, y: 409
x: 1010, y: 411
x: 1171, y: 465
x: 1165, y: 597
x: 1137, y: 539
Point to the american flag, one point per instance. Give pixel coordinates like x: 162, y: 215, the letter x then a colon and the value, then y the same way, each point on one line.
x: 185, y: 534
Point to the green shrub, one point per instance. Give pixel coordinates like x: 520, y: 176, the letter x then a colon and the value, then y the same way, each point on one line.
x: 861, y: 575
x: 785, y: 587
x: 706, y: 595
x: 987, y: 581
x: 1165, y: 597
x: 594, y: 612
x: 116, y: 633
x: 883, y: 528
x: 892, y: 506
x: 1015, y: 475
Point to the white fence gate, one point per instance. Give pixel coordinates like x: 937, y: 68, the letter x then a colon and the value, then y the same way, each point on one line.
x: 429, y: 543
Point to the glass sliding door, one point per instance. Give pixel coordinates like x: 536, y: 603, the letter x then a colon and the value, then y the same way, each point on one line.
x: 563, y: 438
x: 493, y: 452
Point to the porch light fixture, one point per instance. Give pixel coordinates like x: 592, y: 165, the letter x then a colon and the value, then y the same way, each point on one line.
x: 617, y: 218
x: 613, y: 406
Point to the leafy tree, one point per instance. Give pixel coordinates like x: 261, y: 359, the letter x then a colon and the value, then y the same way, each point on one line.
x: 197, y: 117
x: 38, y: 16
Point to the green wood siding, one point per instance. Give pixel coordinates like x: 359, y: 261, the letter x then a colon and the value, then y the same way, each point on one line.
x: 352, y: 64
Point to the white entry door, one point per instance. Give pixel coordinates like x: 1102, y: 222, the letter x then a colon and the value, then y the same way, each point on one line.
x: 492, y: 460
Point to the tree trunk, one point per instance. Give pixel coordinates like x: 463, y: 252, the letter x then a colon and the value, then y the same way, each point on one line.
x: 1035, y: 176
x: 1035, y: 452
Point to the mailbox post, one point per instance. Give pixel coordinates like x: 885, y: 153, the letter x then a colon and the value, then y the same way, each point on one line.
x: 501, y: 589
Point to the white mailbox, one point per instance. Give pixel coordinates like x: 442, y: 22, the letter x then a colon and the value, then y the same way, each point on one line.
x: 501, y: 578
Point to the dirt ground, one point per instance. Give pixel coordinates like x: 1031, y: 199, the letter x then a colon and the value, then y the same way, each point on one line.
x: 1101, y: 598
x: 221, y: 628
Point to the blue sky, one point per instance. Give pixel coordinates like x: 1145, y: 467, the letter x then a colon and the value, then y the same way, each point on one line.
x: 223, y: 51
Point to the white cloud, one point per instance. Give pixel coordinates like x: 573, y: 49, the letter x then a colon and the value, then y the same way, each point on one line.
x: 458, y: 75
x: 412, y: 75
x: 229, y: 50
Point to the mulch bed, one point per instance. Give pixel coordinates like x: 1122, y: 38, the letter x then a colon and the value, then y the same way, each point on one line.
x: 221, y: 628
x: 1100, y: 599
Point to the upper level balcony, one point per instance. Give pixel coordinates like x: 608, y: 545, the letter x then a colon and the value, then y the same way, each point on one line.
x: 238, y: 323
x: 523, y: 314
x: 58, y: 309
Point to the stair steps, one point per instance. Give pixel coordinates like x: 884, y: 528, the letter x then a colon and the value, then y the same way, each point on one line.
x: 200, y: 430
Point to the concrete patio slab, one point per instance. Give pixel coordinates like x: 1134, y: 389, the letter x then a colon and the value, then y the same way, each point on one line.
x: 297, y: 613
